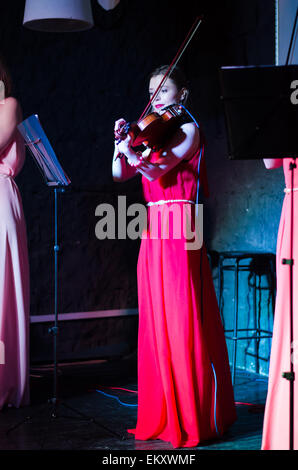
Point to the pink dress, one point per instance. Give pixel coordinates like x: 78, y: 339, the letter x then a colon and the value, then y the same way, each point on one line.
x: 185, y: 394
x: 14, y: 282
x: 276, y: 420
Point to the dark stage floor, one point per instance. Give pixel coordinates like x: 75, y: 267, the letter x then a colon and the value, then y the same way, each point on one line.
x: 78, y: 383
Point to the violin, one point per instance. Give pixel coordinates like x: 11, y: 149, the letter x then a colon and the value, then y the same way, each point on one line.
x: 153, y: 129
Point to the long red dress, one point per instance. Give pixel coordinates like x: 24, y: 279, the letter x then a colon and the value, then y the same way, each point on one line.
x: 276, y: 420
x: 185, y: 394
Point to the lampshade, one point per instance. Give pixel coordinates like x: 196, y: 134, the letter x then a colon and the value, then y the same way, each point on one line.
x: 58, y: 15
x: 108, y: 4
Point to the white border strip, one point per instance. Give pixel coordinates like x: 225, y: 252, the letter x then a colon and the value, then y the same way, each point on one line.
x: 84, y: 315
x: 276, y: 32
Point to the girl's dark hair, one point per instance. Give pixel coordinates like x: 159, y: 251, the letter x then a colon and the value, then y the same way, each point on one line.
x: 5, y: 77
x: 176, y: 75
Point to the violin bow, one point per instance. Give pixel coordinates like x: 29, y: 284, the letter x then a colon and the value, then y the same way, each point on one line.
x: 175, y: 61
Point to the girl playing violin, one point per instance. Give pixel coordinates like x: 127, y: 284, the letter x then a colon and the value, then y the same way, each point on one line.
x: 185, y: 393
x: 183, y: 145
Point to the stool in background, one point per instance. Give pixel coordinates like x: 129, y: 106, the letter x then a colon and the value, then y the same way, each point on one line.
x: 258, y: 264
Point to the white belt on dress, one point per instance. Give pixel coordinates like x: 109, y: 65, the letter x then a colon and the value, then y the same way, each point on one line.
x: 162, y: 201
x: 288, y: 190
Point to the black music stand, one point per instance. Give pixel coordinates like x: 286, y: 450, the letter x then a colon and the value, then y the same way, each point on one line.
x: 260, y: 117
x: 262, y: 122
x: 56, y: 179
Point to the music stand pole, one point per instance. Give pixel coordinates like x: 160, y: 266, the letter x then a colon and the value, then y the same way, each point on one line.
x: 55, y: 177
x: 55, y: 329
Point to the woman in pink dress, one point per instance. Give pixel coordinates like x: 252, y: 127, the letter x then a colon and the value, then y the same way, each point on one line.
x: 14, y: 271
x: 185, y: 393
x: 276, y: 427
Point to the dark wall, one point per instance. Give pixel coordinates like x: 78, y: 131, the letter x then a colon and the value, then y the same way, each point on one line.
x: 79, y: 83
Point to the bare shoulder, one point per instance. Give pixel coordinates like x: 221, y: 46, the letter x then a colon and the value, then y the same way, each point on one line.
x: 190, y: 128
x: 191, y: 133
x: 10, y: 102
x: 10, y: 107
x: 272, y: 163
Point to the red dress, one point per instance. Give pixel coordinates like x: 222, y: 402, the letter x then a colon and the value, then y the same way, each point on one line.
x: 276, y: 427
x: 185, y: 394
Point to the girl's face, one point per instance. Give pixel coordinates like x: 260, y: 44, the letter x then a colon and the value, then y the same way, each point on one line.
x: 167, y: 95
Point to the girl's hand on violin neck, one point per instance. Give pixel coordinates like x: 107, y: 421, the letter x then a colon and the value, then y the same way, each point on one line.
x: 118, y: 127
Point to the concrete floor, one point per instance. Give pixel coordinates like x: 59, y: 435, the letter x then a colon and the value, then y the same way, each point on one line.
x: 103, y: 426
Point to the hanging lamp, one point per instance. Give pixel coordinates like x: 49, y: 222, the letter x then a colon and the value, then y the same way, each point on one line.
x: 58, y: 15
